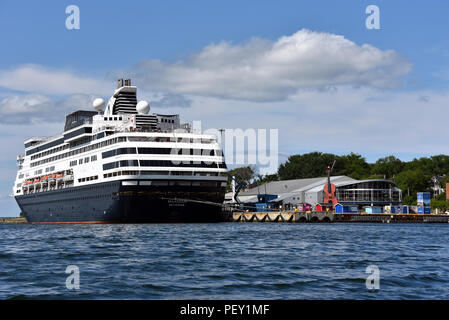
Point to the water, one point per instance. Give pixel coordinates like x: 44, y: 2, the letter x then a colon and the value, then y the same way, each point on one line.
x: 225, y: 261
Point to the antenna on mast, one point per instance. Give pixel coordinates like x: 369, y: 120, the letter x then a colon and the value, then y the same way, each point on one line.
x: 333, y: 164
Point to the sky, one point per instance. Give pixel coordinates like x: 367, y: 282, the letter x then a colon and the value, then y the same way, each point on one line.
x: 310, y: 69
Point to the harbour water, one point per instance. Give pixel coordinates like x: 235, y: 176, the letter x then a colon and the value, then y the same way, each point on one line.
x: 225, y: 261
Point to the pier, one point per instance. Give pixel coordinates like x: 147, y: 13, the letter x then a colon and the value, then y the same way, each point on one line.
x: 12, y: 220
x: 332, y: 217
x: 312, y: 217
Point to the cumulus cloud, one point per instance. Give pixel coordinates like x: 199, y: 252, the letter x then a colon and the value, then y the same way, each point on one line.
x: 29, y: 108
x: 42, y: 80
x: 170, y: 100
x: 263, y: 70
x: 258, y: 70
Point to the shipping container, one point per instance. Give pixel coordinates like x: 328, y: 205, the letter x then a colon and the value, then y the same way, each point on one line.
x: 424, y: 210
x: 396, y: 209
x: 345, y: 209
x: 373, y: 209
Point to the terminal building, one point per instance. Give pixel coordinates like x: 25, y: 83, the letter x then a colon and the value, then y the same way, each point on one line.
x: 294, y: 193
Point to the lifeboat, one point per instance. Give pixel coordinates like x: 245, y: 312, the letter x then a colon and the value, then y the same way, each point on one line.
x: 36, y: 180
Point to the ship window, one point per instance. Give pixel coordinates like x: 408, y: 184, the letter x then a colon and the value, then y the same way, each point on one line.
x: 80, y: 161
x: 129, y: 163
x: 116, y: 152
x: 86, y: 160
x: 155, y: 150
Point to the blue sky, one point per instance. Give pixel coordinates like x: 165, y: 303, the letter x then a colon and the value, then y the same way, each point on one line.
x: 160, y: 44
x: 34, y: 32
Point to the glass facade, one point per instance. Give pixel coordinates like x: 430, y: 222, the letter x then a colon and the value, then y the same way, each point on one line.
x: 370, y: 192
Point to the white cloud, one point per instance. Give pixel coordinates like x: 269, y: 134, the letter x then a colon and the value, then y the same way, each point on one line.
x: 34, y: 108
x: 322, y: 91
x: 170, y: 100
x: 368, y: 121
x: 23, y: 104
x: 31, y: 108
x: 42, y: 80
x: 262, y: 70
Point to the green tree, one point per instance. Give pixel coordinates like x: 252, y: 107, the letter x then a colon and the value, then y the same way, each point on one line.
x: 441, y: 205
x: 261, y: 179
x: 243, y: 175
x: 443, y: 181
x: 309, y: 165
x: 440, y: 164
x: 408, y: 200
x: 388, y: 167
x: 314, y: 164
x: 353, y: 165
x: 426, y: 165
x: 412, y: 181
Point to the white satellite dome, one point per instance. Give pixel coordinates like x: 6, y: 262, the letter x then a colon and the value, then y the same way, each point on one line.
x: 98, y: 104
x: 143, y: 107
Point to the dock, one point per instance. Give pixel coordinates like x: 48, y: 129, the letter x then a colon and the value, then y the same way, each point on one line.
x: 12, y: 220
x: 312, y: 217
x: 332, y: 217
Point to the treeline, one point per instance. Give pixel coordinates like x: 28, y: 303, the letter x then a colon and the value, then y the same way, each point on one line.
x: 411, y: 176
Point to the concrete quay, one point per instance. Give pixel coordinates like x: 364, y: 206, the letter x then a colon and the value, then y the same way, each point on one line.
x: 328, y: 217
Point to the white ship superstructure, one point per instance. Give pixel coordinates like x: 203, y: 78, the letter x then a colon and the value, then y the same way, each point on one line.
x: 126, y: 147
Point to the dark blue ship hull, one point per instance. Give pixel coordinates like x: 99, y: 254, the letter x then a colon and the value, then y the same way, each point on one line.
x: 112, y: 202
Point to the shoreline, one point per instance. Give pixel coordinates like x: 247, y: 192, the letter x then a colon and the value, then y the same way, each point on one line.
x: 306, y: 217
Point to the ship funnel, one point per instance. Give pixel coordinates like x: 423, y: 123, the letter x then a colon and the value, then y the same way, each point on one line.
x: 128, y: 82
x: 119, y: 83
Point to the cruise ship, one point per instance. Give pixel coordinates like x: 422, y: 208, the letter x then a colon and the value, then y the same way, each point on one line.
x: 117, y: 163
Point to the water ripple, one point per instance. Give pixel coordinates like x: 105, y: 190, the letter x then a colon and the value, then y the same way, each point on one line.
x: 224, y: 261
